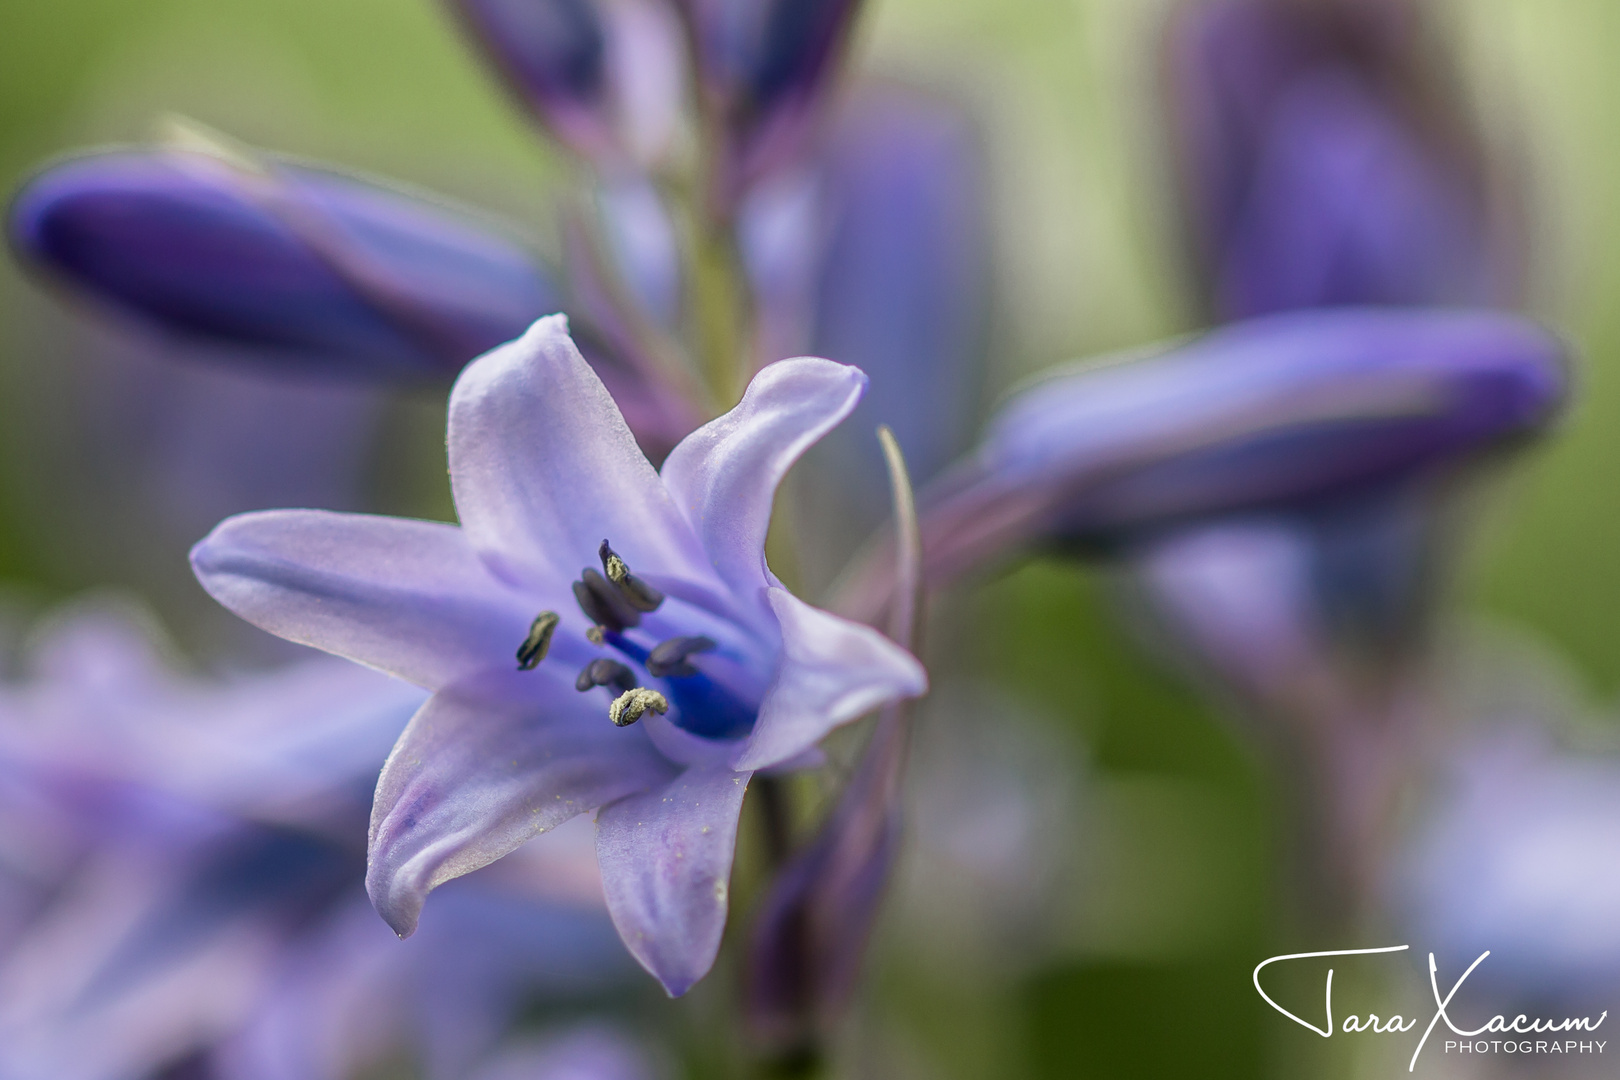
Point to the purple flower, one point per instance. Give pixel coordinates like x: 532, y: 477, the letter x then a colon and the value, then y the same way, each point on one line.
x: 604, y: 76
x: 303, y: 266
x: 193, y: 852
x: 763, y: 71
x: 1327, y: 159
x: 1289, y: 412
x: 875, y: 253
x: 683, y: 628
x: 588, y: 1053
x: 1518, y: 851
x: 1281, y: 606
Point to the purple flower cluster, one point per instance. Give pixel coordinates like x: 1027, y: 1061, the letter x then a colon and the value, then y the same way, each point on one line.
x: 600, y: 635
x: 181, y: 880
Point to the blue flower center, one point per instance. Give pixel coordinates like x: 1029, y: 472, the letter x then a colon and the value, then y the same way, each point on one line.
x: 718, y: 700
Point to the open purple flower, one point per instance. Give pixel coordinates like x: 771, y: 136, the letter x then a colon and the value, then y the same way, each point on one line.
x: 541, y: 670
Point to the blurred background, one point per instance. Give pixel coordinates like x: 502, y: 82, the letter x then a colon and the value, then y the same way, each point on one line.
x: 1135, y: 839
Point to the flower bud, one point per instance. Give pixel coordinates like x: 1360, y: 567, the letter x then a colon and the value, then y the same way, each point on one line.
x: 1291, y: 413
x: 763, y: 70
x: 603, y: 76
x: 1327, y: 158
x: 309, y: 268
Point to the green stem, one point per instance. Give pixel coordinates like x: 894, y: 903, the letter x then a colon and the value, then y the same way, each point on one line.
x: 722, y: 314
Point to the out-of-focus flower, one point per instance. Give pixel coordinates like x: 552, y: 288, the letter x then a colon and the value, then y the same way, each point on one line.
x: 194, y: 853
x: 1518, y: 853
x: 1284, y: 412
x: 763, y: 74
x: 604, y: 76
x: 590, y: 1053
x: 1275, y: 602
x: 874, y: 252
x: 901, y: 291
x: 310, y: 268
x: 688, y: 631
x: 895, y: 284
x: 1326, y: 159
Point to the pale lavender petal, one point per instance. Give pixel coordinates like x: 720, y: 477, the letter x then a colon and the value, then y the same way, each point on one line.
x: 833, y: 671
x: 484, y: 766
x: 724, y: 475
x: 544, y: 467
x: 408, y: 597
x: 666, y: 870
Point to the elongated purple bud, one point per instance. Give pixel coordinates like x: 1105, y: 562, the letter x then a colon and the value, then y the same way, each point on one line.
x: 307, y: 268
x: 1327, y: 157
x: 1288, y: 412
x: 764, y: 67
x: 1282, y: 411
x: 602, y: 76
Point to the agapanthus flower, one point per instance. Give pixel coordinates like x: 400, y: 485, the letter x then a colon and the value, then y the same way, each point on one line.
x: 192, y: 855
x: 597, y: 635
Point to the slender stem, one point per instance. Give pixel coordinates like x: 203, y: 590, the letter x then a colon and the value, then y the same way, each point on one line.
x: 776, y: 818
x: 722, y: 314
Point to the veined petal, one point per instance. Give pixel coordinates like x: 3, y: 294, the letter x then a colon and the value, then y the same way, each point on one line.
x: 408, y: 597
x: 484, y: 766
x: 666, y: 870
x: 544, y: 468
x: 833, y: 671
x: 724, y: 475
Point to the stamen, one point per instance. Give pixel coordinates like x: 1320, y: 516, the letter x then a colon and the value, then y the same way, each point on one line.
x: 669, y: 657
x: 603, y: 604
x: 596, y: 635
x: 605, y: 672
x: 637, y: 593
x: 535, y: 646
x: 631, y: 705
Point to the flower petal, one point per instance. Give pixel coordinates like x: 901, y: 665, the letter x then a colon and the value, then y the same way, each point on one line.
x: 544, y: 468
x: 833, y: 671
x: 484, y: 766
x: 666, y: 870
x: 407, y: 597
x: 724, y: 475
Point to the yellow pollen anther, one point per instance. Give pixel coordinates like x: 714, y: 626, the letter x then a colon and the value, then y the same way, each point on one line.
x: 534, y: 647
x: 631, y: 705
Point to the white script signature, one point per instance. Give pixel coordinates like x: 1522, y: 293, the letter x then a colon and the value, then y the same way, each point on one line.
x: 1398, y: 1023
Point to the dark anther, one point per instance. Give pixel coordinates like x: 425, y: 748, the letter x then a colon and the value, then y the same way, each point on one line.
x: 603, y: 604
x: 534, y: 647
x: 605, y: 672
x: 637, y: 593
x: 669, y: 657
